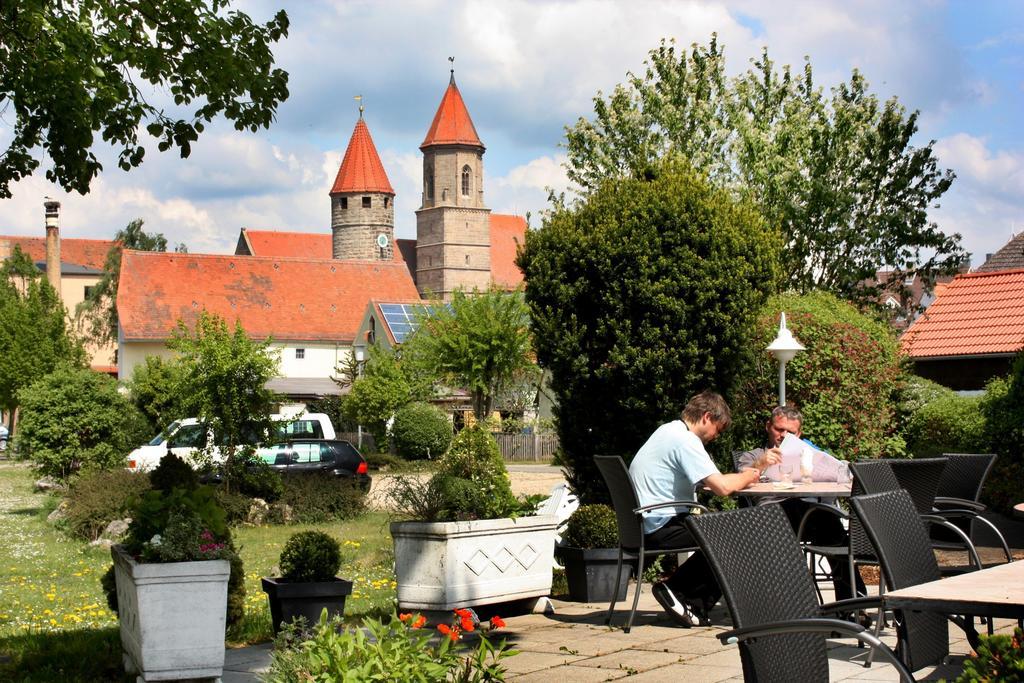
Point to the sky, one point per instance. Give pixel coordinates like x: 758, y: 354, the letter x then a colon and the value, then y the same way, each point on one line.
x: 527, y: 69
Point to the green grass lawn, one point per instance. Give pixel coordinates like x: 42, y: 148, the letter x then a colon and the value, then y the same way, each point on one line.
x: 54, y: 621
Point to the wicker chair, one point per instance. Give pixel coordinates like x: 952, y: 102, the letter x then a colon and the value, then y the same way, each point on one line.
x: 778, y: 622
x: 898, y: 534
x: 957, y: 499
x: 629, y: 518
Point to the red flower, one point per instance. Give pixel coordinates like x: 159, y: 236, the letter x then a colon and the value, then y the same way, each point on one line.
x: 467, y: 623
x: 419, y: 622
x: 404, y: 617
x: 452, y: 633
x: 497, y: 622
x: 463, y: 613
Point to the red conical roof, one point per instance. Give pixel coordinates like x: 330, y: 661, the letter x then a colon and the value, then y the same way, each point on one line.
x: 452, y: 125
x: 361, y: 170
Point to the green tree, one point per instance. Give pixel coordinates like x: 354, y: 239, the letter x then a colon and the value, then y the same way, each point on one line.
x: 640, y: 296
x: 222, y: 381
x: 74, y: 70
x: 383, y: 388
x: 34, y: 334
x: 479, y: 342
x: 846, y: 383
x: 838, y: 174
x: 1003, y: 405
x: 74, y: 419
x: 97, y: 314
x: 154, y: 390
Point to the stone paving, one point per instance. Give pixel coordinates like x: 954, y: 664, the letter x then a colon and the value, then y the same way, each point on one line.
x: 573, y: 644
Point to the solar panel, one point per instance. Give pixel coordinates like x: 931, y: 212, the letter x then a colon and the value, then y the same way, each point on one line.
x: 401, y: 318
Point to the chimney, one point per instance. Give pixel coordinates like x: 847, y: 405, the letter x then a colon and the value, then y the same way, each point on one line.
x: 53, y: 244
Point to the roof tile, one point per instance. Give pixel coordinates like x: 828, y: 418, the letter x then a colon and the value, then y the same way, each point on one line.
x: 361, y: 169
x: 1011, y: 256
x: 297, y: 299
x: 976, y: 314
x: 452, y: 124
x: 507, y: 233
x: 315, y: 245
x: 82, y: 252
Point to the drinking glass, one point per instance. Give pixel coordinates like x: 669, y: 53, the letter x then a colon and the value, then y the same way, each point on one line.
x: 843, y: 473
x: 805, y: 474
x: 787, y: 473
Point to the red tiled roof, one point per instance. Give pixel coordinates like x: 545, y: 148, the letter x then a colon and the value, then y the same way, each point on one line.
x: 361, y: 169
x: 283, y: 298
x: 82, y: 252
x: 506, y: 233
x: 314, y: 245
x: 974, y: 315
x: 452, y: 125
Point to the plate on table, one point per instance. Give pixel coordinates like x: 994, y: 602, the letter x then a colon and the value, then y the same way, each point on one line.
x: 783, y: 485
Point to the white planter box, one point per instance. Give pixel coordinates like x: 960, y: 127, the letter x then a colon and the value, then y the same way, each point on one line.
x: 172, y: 617
x: 444, y: 565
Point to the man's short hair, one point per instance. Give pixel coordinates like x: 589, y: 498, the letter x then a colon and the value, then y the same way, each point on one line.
x: 708, y: 402
x: 789, y: 411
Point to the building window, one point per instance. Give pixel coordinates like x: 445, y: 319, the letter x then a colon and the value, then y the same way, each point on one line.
x: 88, y: 291
x: 465, y: 180
x: 386, y: 202
x: 467, y: 259
x: 344, y: 203
x: 428, y: 182
x: 366, y: 202
x: 300, y: 354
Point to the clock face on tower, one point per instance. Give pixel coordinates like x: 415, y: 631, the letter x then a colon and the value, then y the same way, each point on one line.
x: 382, y: 241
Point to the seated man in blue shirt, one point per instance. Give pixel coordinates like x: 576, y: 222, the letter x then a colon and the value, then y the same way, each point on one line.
x: 821, y: 528
x: 669, y: 467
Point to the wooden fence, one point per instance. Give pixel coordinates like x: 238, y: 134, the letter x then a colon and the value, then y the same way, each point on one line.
x: 527, y: 447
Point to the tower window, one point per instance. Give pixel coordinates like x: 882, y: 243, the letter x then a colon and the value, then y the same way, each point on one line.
x: 344, y: 203
x: 465, y: 180
x: 366, y: 202
x: 429, y: 183
x: 386, y: 202
x: 467, y: 259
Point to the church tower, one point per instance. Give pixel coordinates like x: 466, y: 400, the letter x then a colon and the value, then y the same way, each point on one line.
x: 362, y: 202
x: 453, y: 239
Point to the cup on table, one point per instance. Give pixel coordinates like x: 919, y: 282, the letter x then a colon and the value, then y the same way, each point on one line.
x: 843, y: 473
x: 805, y: 474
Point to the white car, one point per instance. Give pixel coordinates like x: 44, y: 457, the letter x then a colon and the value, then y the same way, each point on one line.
x: 188, y: 437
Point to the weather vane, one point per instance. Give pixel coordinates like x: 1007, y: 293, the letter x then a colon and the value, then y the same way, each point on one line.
x: 451, y: 61
x: 359, y: 99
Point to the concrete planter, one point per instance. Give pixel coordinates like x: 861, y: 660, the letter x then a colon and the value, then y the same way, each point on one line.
x: 444, y: 565
x: 172, y: 617
x: 290, y: 599
x: 590, y: 573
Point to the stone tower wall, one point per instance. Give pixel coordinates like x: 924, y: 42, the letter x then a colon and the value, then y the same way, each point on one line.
x: 355, y: 228
x: 453, y: 250
x: 447, y: 164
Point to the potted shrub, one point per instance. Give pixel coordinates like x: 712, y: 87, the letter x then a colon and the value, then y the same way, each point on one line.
x: 467, y: 546
x: 172, y: 575
x: 308, y: 583
x: 590, y: 555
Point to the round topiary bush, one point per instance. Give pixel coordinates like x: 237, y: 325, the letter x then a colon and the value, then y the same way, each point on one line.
x: 310, y: 556
x: 592, y: 526
x: 421, y: 431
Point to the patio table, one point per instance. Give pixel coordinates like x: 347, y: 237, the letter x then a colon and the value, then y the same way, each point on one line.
x: 993, y: 592
x: 817, y: 489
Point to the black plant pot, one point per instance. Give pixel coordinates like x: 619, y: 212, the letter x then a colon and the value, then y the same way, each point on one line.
x: 590, y: 573
x: 290, y: 599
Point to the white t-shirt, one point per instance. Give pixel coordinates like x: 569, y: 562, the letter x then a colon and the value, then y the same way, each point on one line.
x: 668, y: 467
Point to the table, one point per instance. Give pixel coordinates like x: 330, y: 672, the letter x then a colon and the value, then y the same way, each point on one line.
x: 817, y: 489
x: 993, y: 592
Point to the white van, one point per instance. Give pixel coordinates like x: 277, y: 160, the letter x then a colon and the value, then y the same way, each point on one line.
x: 185, y: 438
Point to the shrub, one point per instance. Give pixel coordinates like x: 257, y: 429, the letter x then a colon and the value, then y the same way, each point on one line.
x: 949, y: 424
x: 75, y: 419
x: 236, y: 505
x: 384, y: 461
x: 421, y: 431
x: 1003, y: 406
x: 999, y: 658
x: 473, y: 478
x: 400, y: 651
x: 96, y: 498
x: 153, y: 389
x: 253, y: 477
x: 173, y: 472
x: 592, y: 526
x: 318, y: 498
x: 845, y: 382
x: 310, y: 556
x: 640, y: 296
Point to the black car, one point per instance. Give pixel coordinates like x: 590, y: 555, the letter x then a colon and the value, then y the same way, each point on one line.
x: 305, y: 456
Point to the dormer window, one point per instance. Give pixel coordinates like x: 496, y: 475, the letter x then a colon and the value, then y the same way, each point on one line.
x: 466, y: 171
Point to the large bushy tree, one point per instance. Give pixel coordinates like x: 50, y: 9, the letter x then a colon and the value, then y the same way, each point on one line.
x: 642, y: 295
x: 97, y: 314
x: 846, y: 382
x: 1003, y: 406
x: 76, y: 70
x: 74, y: 419
x: 837, y: 172
x: 222, y: 381
x: 154, y: 390
x: 386, y: 384
x: 34, y: 334
x: 479, y: 342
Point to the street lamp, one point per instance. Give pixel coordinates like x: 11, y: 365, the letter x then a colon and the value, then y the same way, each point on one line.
x: 784, y: 348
